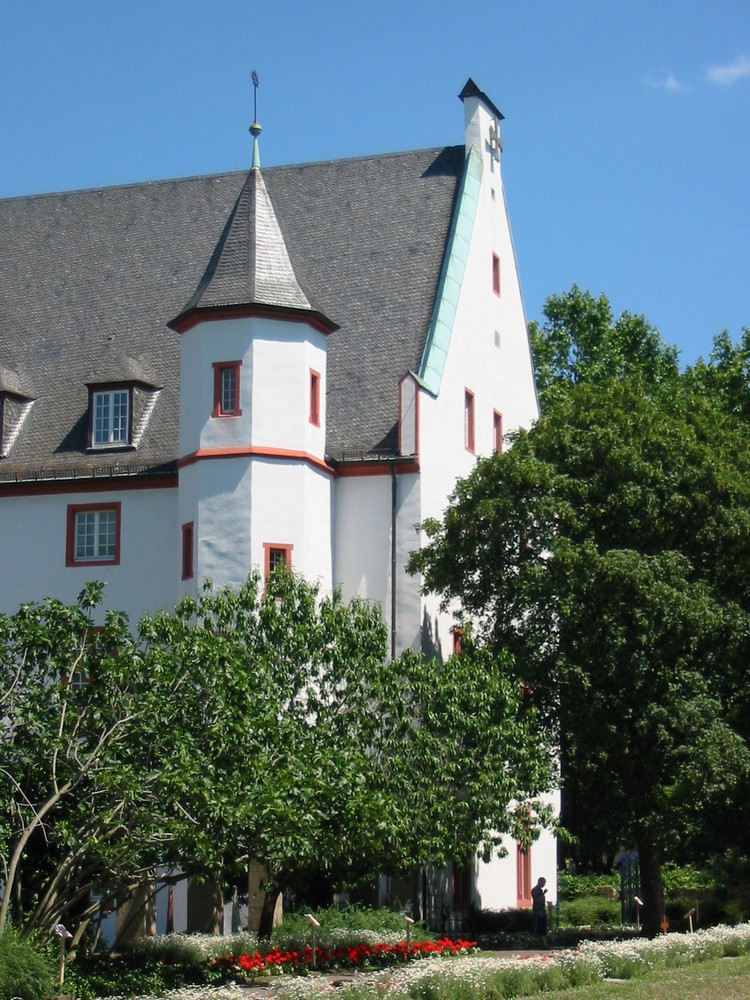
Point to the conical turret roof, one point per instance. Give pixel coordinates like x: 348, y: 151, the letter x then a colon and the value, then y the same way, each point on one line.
x: 250, y: 266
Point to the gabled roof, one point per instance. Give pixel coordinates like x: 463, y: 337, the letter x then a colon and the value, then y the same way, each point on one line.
x: 88, y: 275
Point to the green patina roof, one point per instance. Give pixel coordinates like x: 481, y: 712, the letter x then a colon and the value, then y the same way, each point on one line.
x: 452, y: 276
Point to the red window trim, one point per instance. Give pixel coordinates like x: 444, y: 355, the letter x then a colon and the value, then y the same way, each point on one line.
x: 70, y: 533
x: 219, y: 367
x: 314, y: 398
x: 188, y: 568
x: 523, y: 876
x: 497, y: 431
x: 110, y: 387
x: 457, y: 634
x: 496, y: 274
x: 269, y: 547
x: 469, y: 440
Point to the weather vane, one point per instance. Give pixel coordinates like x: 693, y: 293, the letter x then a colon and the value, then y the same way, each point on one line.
x: 255, y: 95
x: 255, y: 128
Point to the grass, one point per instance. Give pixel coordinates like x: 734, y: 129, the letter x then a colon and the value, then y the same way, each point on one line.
x: 728, y: 978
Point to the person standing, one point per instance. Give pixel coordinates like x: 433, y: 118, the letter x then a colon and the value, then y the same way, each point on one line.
x: 539, y: 909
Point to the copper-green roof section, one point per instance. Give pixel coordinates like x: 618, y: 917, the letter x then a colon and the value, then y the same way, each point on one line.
x: 451, y: 276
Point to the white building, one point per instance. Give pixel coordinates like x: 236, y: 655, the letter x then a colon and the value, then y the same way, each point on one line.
x: 202, y: 376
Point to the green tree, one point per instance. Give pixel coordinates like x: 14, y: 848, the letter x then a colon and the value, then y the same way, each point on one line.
x: 264, y: 725
x: 608, y: 553
x: 725, y: 377
x: 301, y: 746
x: 580, y: 341
x: 74, y: 796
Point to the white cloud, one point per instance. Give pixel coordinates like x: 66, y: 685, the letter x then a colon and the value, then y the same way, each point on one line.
x: 731, y: 72
x: 667, y: 82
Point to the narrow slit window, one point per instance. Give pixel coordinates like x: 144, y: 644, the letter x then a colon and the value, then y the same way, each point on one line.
x: 187, y: 551
x: 497, y: 431
x: 315, y: 398
x: 496, y: 274
x: 469, y: 421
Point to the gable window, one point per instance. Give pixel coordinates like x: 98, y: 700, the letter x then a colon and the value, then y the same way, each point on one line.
x: 277, y: 555
x: 469, y: 421
x: 314, y: 398
x: 187, y: 551
x: 227, y: 389
x: 497, y: 431
x: 93, y: 535
x: 496, y: 274
x: 110, y: 417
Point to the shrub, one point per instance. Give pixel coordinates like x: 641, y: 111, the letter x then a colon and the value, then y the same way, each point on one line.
x: 589, y: 911
x: 571, y: 886
x: 27, y: 969
x: 685, y: 878
x: 350, y: 918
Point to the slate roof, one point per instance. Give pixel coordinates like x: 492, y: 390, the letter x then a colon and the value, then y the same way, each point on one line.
x: 89, y: 281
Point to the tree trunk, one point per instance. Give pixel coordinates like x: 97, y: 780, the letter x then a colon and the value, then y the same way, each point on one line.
x: 652, y: 889
x: 268, y: 910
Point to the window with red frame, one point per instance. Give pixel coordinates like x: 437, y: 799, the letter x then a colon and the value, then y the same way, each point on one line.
x: 523, y: 876
x: 458, y: 635
x: 227, y: 389
x: 497, y: 431
x: 315, y: 398
x: 93, y: 535
x: 277, y: 555
x: 187, y: 551
x: 469, y: 421
x: 496, y: 274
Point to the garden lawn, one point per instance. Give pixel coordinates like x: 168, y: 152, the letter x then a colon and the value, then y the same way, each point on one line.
x: 725, y: 978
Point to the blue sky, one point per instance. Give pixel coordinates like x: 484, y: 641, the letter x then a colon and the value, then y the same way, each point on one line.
x: 627, y: 131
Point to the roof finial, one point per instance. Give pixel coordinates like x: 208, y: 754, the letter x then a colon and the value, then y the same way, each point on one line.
x: 255, y: 128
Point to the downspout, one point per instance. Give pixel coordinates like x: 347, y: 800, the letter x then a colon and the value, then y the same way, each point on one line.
x: 393, y: 561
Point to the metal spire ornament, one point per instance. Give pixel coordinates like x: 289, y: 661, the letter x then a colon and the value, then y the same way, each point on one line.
x: 255, y: 128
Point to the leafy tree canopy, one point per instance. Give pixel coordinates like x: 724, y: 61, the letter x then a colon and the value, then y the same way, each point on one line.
x: 580, y: 341
x: 258, y: 724
x: 608, y: 552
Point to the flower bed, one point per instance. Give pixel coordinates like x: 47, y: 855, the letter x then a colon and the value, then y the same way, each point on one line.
x: 466, y: 978
x: 360, y: 956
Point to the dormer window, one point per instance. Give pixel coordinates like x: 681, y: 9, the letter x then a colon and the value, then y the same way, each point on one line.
x: 110, y: 417
x: 122, y: 396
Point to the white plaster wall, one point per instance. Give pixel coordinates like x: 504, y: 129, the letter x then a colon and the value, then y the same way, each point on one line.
x: 362, y: 532
x: 362, y: 547
x: 33, y: 555
x: 283, y: 354
x: 291, y: 505
x: 217, y: 494
x: 409, y: 601
x: 496, y: 880
x: 239, y: 503
x: 276, y: 357
x: 210, y: 342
